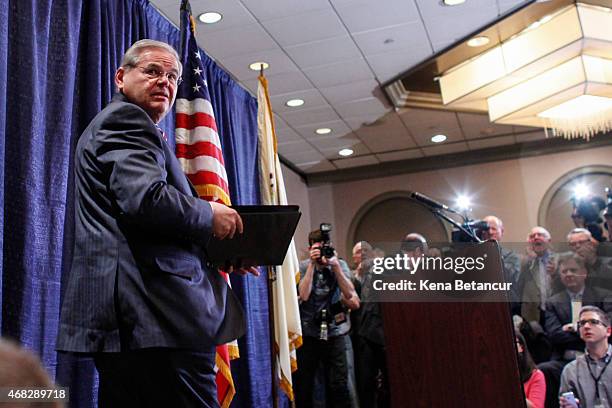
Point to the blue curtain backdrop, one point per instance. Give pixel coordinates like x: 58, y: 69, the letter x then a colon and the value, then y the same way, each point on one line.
x: 57, y: 62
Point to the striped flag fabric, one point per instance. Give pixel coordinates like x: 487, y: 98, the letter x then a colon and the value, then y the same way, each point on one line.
x: 287, y: 327
x: 198, y: 149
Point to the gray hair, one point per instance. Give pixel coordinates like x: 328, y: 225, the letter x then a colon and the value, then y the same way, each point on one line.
x: 579, y: 231
x: 132, y: 55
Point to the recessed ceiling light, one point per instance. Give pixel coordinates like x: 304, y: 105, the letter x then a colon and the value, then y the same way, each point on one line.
x: 453, y: 2
x: 294, y: 102
x: 256, y: 66
x: 438, y: 138
x: 323, y: 131
x: 345, y: 152
x: 210, y: 17
x: 478, y: 41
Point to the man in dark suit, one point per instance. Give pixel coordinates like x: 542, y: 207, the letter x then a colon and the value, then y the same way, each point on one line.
x: 537, y: 279
x: 141, y: 296
x: 562, y: 311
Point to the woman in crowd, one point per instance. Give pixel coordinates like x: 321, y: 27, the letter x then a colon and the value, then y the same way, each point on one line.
x: 533, y: 380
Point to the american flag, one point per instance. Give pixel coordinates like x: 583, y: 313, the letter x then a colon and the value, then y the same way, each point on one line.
x: 198, y: 149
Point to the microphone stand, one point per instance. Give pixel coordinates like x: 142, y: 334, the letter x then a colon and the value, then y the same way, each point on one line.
x: 438, y: 213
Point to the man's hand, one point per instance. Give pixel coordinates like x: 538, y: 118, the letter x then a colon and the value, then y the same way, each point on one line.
x: 315, y: 254
x: 226, y: 221
x: 563, y: 403
x: 551, y: 266
x: 588, y: 251
x: 569, y: 328
x: 241, y: 271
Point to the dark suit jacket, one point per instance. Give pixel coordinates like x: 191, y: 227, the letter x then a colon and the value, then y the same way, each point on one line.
x: 528, y: 289
x: 139, y: 275
x: 559, y: 312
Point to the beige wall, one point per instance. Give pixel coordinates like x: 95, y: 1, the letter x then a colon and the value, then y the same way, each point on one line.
x: 297, y: 194
x: 511, y: 189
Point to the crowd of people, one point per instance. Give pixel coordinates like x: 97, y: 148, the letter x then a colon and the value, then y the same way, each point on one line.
x: 561, y: 304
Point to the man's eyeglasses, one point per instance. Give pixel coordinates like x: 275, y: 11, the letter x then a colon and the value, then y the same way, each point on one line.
x: 592, y: 322
x: 579, y: 243
x: 155, y: 73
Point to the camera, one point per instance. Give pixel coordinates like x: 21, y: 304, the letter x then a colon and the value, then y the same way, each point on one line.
x: 608, y: 211
x: 586, y: 213
x: 477, y: 227
x: 327, y: 250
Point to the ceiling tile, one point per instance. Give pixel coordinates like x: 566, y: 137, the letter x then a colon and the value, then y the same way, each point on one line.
x: 363, y: 107
x: 490, y: 142
x: 338, y: 127
x: 387, y: 39
x: 279, y: 123
x: 298, y: 146
x: 171, y: 11
x: 440, y: 45
x: 326, y: 143
x: 304, y: 156
x: 323, y: 52
x: 419, y: 118
x: 306, y: 27
x: 238, y: 41
x: 362, y: 15
x: 507, y: 5
x: 423, y: 135
x: 358, y: 122
x: 389, y: 125
x: 478, y: 125
x: 284, y: 135
x: 431, y: 9
x: 339, y: 73
x: 400, y: 155
x: 281, y: 83
x: 457, y: 26
x: 312, y: 98
x: 317, y: 166
x: 308, y: 116
x: 270, y: 9
x: 390, y: 64
x: 386, y: 135
x: 356, y: 161
x: 278, y: 60
x: 445, y: 149
x: 233, y: 12
x: 347, y: 92
x: 358, y: 148
x: 167, y: 3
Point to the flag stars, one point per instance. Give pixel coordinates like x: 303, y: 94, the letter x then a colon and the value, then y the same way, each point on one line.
x: 196, y: 88
x: 197, y: 55
x: 197, y: 71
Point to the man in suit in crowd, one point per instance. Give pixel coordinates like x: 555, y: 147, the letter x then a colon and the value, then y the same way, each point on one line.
x: 562, y: 311
x: 582, y: 243
x: 141, y: 296
x: 537, y: 279
x: 511, y: 262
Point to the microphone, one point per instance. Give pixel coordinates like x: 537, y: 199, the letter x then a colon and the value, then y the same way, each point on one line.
x: 430, y: 202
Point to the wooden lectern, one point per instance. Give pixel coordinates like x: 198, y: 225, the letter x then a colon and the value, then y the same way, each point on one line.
x: 452, y: 355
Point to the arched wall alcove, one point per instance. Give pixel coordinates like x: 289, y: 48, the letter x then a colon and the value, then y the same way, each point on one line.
x: 385, y: 219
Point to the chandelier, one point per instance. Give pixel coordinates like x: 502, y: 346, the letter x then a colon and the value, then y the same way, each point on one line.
x: 556, y: 73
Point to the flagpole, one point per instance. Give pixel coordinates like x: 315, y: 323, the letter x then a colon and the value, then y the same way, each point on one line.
x: 271, y: 279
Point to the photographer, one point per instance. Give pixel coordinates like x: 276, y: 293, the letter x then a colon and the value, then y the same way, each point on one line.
x: 326, y: 295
